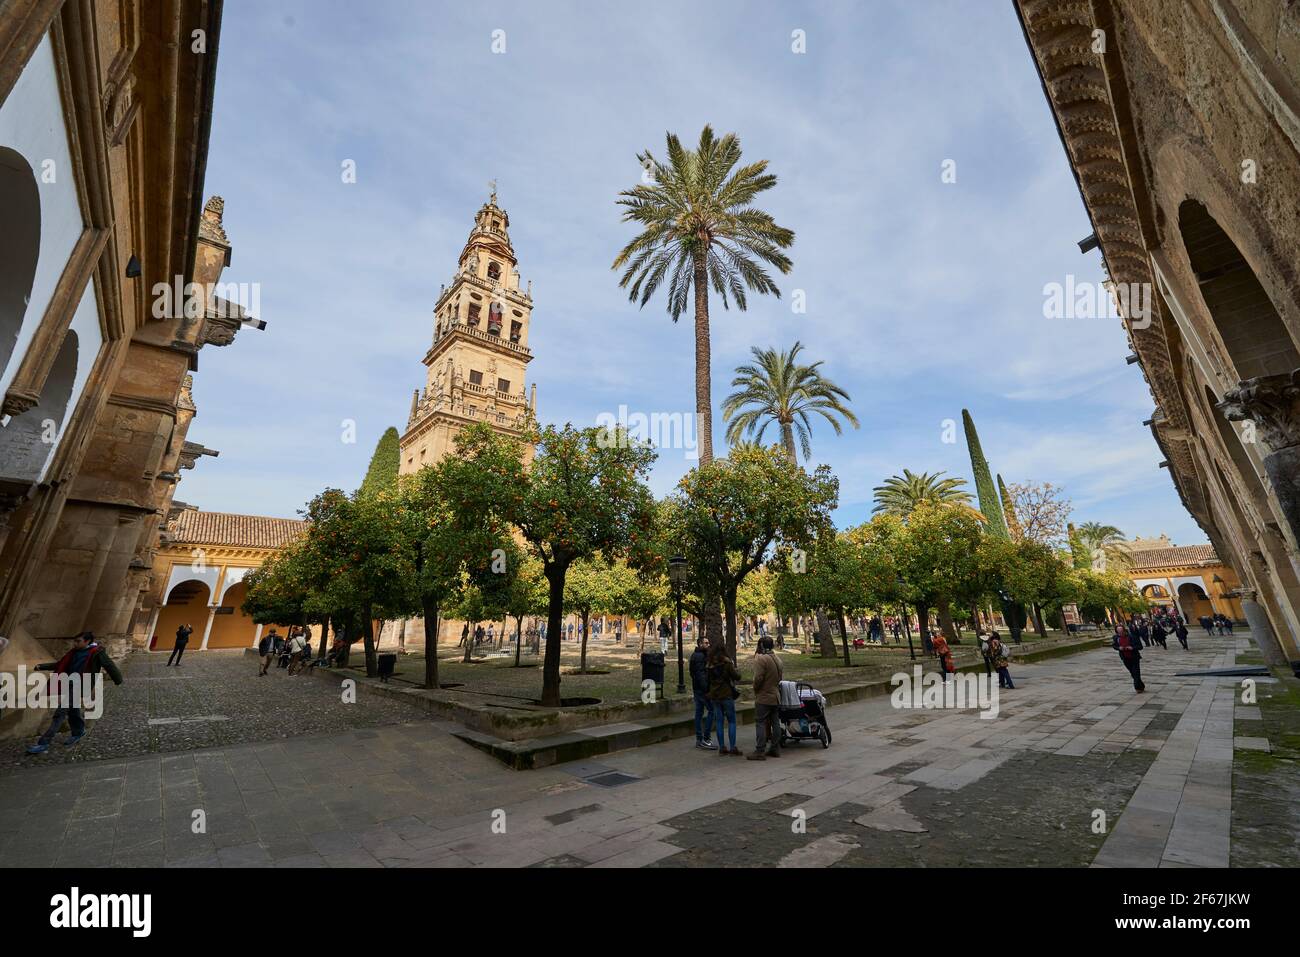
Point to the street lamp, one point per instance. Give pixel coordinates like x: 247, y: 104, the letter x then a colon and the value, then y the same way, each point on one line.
x: 907, y: 624
x: 677, y: 576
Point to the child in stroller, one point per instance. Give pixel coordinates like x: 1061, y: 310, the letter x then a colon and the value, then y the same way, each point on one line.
x: 803, y: 713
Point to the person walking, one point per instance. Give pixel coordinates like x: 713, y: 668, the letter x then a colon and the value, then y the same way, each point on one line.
x: 266, y: 649
x: 1000, y: 657
x: 85, y: 658
x: 767, y: 701
x: 723, y: 675
x: 699, y: 665
x: 664, y: 632
x: 1181, y: 632
x: 182, y: 639
x: 297, y: 654
x: 1158, y: 634
x: 1130, y: 654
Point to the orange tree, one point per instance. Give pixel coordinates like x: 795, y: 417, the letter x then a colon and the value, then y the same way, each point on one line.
x: 583, y: 493
x: 732, y: 513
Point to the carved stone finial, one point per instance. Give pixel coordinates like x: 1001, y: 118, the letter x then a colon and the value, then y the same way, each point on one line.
x: 1272, y: 403
x: 210, y: 226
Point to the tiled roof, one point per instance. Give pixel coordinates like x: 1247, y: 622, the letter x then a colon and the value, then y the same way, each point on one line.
x: 193, y: 527
x: 1173, y: 557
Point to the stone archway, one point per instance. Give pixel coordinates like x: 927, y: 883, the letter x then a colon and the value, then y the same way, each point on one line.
x: 1193, y: 602
x: 231, y: 628
x: 20, y: 246
x: 1253, y: 333
x: 187, y: 603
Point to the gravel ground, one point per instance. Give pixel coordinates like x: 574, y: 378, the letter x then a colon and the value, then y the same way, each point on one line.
x: 219, y: 699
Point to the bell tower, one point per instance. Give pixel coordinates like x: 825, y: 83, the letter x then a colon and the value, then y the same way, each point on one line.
x: 475, y: 366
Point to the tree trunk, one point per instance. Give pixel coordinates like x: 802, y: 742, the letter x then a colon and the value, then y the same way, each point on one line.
x: 923, y: 626
x: 554, y: 614
x: 471, y: 639
x: 431, y: 611
x: 519, y: 637
x: 1038, y: 620
x: 729, y: 603
x: 824, y: 635
x: 844, y: 637
x: 703, y: 370
x: 368, y: 636
x: 787, y: 440
x: 945, y: 620
x: 586, y: 633
x: 324, y: 635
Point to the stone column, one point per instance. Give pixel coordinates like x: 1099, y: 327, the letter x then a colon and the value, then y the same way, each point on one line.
x: 1272, y: 404
x: 207, y: 629
x: 1263, y: 633
x: 257, y: 636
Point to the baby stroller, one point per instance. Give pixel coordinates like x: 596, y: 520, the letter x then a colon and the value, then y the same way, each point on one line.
x: 803, y: 713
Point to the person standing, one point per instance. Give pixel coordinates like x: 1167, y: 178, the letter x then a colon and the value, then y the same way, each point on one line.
x: 182, y: 639
x: 940, y: 645
x: 983, y: 641
x: 85, y: 658
x: 699, y: 665
x: 723, y: 675
x: 266, y: 649
x: 767, y: 703
x: 664, y: 632
x: 1001, y: 659
x: 1129, y: 653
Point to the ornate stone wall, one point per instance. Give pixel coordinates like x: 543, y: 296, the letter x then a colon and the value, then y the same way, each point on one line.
x: 1180, y: 121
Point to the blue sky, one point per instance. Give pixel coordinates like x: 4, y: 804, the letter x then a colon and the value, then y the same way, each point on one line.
x: 923, y: 297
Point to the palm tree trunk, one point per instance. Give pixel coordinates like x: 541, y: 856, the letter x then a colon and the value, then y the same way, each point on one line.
x: 703, y: 377
x: 787, y: 439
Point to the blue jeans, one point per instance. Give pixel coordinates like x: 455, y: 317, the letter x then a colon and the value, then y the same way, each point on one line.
x: 1004, y: 677
x: 703, y: 717
x: 724, y: 715
x: 75, y: 721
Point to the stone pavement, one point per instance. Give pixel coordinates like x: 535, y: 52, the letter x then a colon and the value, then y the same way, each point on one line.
x: 1075, y: 770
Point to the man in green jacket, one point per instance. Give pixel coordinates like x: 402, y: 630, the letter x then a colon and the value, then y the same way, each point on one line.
x: 767, y: 700
x: 85, y: 658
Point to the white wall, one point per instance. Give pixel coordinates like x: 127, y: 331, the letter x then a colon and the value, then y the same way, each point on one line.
x: 31, y: 123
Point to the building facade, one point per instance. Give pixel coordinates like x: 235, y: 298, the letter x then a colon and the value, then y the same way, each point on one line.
x: 1190, y: 578
x: 105, y: 110
x: 475, y: 367
x: 1182, y: 124
x: 198, y: 578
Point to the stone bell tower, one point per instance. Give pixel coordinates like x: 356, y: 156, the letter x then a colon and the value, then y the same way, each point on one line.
x: 480, y: 347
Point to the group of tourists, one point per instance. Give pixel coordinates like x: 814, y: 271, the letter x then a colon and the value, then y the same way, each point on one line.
x: 1143, y: 631
x: 292, y: 652
x: 1216, y: 622
x: 715, y: 685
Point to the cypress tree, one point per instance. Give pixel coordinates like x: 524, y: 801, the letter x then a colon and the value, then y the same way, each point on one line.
x: 984, y: 488
x: 1009, y: 511
x: 382, y: 474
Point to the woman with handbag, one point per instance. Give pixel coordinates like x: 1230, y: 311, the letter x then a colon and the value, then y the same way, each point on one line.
x: 723, y: 675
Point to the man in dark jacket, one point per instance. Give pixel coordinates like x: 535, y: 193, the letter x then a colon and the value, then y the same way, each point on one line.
x: 84, y: 659
x: 266, y: 648
x: 1129, y: 653
x: 182, y: 639
x: 700, y: 689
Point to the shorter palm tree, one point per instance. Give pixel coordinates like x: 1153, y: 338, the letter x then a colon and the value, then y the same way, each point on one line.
x: 1106, y: 540
x: 778, y: 388
x: 901, y: 494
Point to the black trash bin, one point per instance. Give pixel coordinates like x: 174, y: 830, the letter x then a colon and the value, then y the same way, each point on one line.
x: 652, y: 667
x: 386, y: 665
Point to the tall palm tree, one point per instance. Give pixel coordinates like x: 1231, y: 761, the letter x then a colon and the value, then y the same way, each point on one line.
x: 700, y: 230
x: 1107, y: 539
x: 900, y: 494
x: 780, y: 389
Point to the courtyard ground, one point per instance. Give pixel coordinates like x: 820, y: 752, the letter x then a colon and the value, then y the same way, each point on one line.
x: 368, y: 784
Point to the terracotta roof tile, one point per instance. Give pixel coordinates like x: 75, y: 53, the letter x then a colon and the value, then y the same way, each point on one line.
x: 1171, y: 557
x: 194, y: 527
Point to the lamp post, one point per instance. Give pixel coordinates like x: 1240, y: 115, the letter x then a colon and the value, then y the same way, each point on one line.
x: 907, y: 624
x: 677, y: 575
